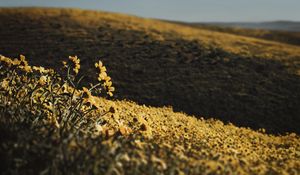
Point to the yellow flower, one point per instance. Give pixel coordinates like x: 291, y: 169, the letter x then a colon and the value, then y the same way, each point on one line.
x: 5, y: 84
x: 43, y: 80
x: 111, y: 89
x: 87, y: 91
x: 76, y: 69
x: 76, y: 62
x: 103, y: 69
x: 99, y: 64
x: 92, y: 100
x: 22, y: 58
x: 16, y: 62
x: 102, y: 76
x: 110, y: 94
x: 25, y: 66
x: 107, y: 78
x: 108, y: 83
x: 6, y: 60
x: 27, y: 69
x: 65, y: 64
x: 40, y: 69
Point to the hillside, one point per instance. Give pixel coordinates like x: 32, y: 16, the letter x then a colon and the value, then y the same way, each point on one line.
x: 246, y: 81
x: 284, y: 36
x: 48, y: 127
x: 292, y: 26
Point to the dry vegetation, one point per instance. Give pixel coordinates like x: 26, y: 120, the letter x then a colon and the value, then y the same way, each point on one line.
x: 52, y: 123
x: 273, y: 35
x: 50, y: 127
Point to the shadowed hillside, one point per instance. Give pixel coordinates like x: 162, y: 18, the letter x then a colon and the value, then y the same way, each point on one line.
x: 246, y: 81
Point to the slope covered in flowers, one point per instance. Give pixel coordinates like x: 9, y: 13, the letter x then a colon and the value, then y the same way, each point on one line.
x: 246, y: 81
x: 48, y: 125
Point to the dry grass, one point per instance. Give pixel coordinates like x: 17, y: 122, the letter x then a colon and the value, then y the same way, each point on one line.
x: 278, y: 36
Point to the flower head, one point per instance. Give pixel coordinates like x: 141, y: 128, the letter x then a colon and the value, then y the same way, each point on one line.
x: 24, y: 64
x: 43, y: 80
x: 102, y: 76
x: 4, y: 84
x: 76, y: 62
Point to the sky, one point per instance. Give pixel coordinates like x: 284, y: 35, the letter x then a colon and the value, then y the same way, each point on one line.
x: 183, y: 10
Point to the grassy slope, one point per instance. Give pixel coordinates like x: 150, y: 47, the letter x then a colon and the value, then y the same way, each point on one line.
x: 247, y: 81
x: 280, y: 36
x: 190, y: 78
x: 161, y: 142
x: 273, y: 35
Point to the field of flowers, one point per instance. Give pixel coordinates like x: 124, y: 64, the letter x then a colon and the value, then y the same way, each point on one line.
x: 50, y: 124
x: 246, y: 81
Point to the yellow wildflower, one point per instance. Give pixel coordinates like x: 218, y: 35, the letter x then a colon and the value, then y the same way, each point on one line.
x: 92, y: 100
x: 108, y: 83
x: 99, y: 64
x: 40, y: 69
x: 76, y: 62
x: 103, y: 69
x: 65, y: 64
x: 43, y: 80
x: 16, y: 62
x: 111, y: 89
x: 107, y: 78
x: 5, y: 84
x: 102, y: 76
x: 110, y: 94
x: 25, y: 66
x: 6, y: 60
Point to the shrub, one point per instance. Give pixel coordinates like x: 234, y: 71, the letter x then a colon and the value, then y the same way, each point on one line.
x: 51, y: 107
x: 42, y: 96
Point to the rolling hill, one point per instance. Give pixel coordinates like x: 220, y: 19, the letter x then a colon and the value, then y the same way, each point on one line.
x: 246, y: 81
x: 206, y: 79
x: 284, y: 36
x: 291, y: 26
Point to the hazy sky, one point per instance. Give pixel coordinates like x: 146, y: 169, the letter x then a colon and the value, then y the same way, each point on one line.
x: 183, y: 10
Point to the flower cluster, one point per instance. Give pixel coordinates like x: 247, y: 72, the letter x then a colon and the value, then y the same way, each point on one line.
x: 50, y: 95
x: 9, y: 62
x: 103, y: 77
x: 24, y: 64
x: 76, y: 62
x: 21, y: 63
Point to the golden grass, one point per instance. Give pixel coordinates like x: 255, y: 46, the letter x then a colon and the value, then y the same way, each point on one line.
x: 278, y: 36
x: 230, y: 42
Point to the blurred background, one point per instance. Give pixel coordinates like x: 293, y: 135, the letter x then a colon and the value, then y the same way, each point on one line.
x: 190, y: 11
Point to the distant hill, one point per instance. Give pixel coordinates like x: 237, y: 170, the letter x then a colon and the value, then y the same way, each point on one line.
x: 246, y: 81
x: 274, y: 34
x: 273, y: 25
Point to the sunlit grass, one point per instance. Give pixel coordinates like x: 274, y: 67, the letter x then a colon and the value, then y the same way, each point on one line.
x: 52, y: 125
